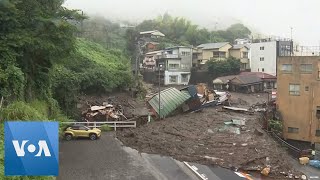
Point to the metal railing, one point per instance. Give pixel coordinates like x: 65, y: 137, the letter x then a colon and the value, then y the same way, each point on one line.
x: 167, y: 56
x: 113, y: 124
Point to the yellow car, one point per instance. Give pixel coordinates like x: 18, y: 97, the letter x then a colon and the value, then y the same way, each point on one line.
x: 79, y: 130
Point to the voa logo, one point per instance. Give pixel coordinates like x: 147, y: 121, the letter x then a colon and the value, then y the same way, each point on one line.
x: 42, y: 148
x: 31, y: 148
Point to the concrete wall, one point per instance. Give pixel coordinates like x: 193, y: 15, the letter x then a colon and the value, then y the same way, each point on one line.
x: 186, y: 61
x: 179, y: 77
x: 270, y: 57
x: 299, y: 111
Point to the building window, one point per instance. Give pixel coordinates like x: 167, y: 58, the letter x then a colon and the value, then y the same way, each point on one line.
x: 306, y: 68
x: 306, y: 88
x: 245, y: 55
x: 318, y: 112
x: 184, y: 77
x: 261, y: 58
x: 286, y: 67
x: 219, y: 54
x: 262, y: 69
x: 184, y: 66
x: 317, y: 132
x: 262, y: 48
x: 173, y: 79
x: 318, y: 70
x: 173, y: 66
x: 294, y: 89
x: 293, y: 130
x: 216, y: 54
x: 185, y: 53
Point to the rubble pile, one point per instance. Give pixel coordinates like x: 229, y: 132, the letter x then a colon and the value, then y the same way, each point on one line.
x: 106, y: 112
x: 111, y: 108
x: 221, y: 135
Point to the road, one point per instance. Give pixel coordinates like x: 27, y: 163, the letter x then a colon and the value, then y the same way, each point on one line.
x: 106, y: 158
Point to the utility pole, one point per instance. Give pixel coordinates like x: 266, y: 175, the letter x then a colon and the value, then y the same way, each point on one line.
x: 291, y: 43
x: 159, y: 66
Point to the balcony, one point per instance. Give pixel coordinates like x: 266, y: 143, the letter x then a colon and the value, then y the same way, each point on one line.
x: 169, y: 56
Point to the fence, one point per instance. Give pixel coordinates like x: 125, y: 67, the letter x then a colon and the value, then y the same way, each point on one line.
x: 113, y: 124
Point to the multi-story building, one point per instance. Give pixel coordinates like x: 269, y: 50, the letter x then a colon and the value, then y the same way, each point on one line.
x: 149, y: 61
x: 210, y: 51
x: 298, y: 97
x: 175, y: 65
x: 241, y: 51
x: 264, y: 53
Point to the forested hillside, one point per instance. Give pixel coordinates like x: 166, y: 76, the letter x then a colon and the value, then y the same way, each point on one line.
x: 44, y: 66
x: 90, y: 69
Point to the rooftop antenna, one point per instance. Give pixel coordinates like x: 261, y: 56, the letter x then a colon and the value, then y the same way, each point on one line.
x: 291, y: 44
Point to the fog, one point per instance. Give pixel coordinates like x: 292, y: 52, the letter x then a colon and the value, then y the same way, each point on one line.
x: 267, y: 17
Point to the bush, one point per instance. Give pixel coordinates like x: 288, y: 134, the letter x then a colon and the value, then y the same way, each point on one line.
x: 275, y: 125
x: 106, y: 128
x: 20, y: 110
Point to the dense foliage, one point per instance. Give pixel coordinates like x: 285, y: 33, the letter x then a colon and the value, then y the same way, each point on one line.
x: 33, y: 34
x: 223, y: 68
x: 180, y: 31
x: 90, y: 69
x: 108, y: 34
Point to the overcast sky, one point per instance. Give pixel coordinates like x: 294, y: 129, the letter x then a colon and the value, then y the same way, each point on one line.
x: 269, y: 17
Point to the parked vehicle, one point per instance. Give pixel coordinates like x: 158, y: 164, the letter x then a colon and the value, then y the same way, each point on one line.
x: 79, y: 130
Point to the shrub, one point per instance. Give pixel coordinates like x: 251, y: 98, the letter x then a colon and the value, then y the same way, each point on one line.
x: 106, y: 128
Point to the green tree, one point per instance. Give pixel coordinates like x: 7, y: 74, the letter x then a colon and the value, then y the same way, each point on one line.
x: 230, y: 66
x: 34, y: 34
x: 180, y: 31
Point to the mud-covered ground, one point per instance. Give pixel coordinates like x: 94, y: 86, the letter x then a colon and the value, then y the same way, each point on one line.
x: 200, y: 137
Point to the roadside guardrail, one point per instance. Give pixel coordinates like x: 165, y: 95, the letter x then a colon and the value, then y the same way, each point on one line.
x: 113, y: 124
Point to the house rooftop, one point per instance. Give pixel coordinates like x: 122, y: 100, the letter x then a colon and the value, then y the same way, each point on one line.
x: 261, y: 75
x: 153, y: 52
x: 175, y: 47
x: 239, y: 46
x: 223, y: 79
x: 213, y: 45
x: 154, y: 33
x: 248, y: 79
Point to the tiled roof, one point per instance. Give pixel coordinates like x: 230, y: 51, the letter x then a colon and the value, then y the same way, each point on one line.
x: 261, y: 75
x: 248, y: 79
x: 212, y: 45
x: 239, y: 46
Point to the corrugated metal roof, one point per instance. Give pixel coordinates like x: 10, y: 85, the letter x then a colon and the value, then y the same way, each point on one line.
x: 171, y: 99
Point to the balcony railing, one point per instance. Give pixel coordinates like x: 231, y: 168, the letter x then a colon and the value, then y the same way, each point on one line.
x: 168, y: 56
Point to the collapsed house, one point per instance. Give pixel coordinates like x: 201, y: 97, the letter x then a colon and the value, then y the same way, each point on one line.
x: 187, y: 99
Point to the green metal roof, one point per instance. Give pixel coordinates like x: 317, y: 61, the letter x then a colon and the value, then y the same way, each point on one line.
x: 171, y: 99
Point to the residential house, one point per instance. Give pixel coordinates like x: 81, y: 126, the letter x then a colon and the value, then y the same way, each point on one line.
x: 149, y: 61
x: 175, y: 65
x: 298, y: 97
x: 210, y: 51
x: 269, y: 81
x: 222, y: 83
x: 151, y: 46
x: 241, y: 51
x: 245, y: 82
x: 264, y: 53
